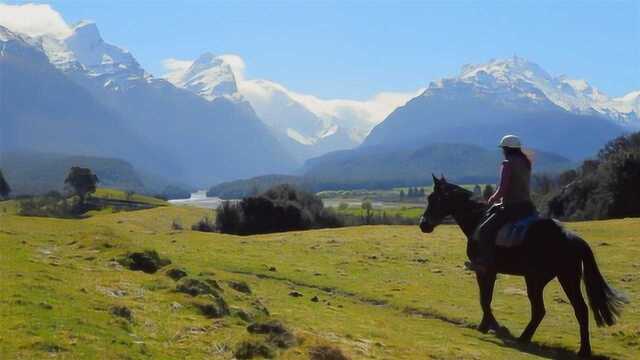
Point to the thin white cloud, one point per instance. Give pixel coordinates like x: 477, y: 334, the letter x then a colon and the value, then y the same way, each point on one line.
x: 175, y: 68
x: 237, y: 65
x: 34, y: 20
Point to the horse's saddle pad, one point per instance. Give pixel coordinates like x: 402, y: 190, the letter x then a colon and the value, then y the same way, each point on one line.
x: 513, y: 234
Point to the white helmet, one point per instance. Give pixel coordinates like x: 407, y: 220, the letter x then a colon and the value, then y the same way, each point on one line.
x: 510, y: 141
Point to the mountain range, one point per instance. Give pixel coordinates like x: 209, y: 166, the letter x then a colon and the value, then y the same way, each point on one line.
x: 507, y: 96
x: 306, y: 125
x: 81, y: 95
x: 453, y: 123
x: 204, y: 122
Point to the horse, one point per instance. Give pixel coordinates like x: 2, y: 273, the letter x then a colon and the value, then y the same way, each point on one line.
x: 548, y: 251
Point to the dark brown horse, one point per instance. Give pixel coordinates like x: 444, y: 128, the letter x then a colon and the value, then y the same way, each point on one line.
x: 548, y: 251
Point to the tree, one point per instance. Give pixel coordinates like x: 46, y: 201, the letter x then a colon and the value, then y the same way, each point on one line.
x: 4, y: 187
x: 402, y: 195
x: 367, y: 207
x: 488, y: 191
x: 477, y: 191
x: 421, y: 193
x: 82, y: 181
x: 411, y: 194
x: 129, y: 195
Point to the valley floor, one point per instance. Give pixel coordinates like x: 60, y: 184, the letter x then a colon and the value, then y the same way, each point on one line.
x: 383, y: 292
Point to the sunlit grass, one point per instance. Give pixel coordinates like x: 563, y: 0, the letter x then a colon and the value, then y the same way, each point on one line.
x: 59, y: 280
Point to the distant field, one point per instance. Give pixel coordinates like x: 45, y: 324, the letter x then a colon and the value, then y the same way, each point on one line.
x: 383, y: 292
x: 383, y: 200
x: 121, y: 195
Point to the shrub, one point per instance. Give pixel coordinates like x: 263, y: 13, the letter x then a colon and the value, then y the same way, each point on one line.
x: 281, y: 208
x: 176, y: 224
x: 606, y: 187
x: 205, y: 224
x: 51, y: 205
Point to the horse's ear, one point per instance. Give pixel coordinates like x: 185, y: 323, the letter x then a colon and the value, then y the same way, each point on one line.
x: 435, y: 180
x: 442, y: 178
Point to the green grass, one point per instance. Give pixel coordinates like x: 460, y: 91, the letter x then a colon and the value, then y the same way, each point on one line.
x: 385, y: 292
x: 121, y: 195
x: 404, y: 211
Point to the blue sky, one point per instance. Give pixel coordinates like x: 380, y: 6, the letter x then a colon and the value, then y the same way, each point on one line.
x: 354, y: 49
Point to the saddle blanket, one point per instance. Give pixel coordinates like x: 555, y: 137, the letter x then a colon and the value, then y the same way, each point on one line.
x: 513, y: 234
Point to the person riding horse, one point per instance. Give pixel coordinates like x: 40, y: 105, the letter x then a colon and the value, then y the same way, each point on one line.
x: 510, y: 202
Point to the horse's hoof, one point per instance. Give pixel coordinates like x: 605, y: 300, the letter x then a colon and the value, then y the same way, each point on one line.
x: 584, y: 353
x: 524, y: 339
x: 483, y: 328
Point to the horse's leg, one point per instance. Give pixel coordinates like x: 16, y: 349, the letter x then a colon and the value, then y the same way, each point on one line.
x: 571, y: 285
x: 535, y: 287
x: 486, y: 283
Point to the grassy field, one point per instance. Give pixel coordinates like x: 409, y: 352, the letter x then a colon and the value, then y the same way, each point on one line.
x: 120, y: 195
x: 383, y: 292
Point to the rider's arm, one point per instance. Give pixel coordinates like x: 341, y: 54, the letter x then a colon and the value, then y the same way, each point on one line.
x: 505, y: 177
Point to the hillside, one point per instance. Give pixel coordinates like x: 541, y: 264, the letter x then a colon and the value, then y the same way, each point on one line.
x: 37, y: 173
x: 33, y: 173
x: 382, y: 292
x: 384, y: 167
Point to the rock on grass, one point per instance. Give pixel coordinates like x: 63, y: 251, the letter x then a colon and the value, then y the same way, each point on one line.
x: 177, y: 273
x: 326, y: 353
x: 195, y: 287
x: 147, y: 261
x: 216, y: 308
x: 278, y: 334
x: 240, y: 286
x: 122, y: 311
x: 253, y: 348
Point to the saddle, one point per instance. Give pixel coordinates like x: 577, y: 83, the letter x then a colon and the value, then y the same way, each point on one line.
x: 513, y: 234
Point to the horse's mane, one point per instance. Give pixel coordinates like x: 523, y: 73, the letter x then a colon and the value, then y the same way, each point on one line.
x: 475, y: 204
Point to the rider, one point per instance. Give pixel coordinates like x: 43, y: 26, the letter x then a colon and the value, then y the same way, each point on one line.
x: 510, y: 202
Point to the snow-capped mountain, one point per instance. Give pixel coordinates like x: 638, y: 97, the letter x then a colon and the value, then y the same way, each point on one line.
x: 305, y: 124
x: 208, y: 76
x: 44, y: 111
x: 553, y: 114
x: 298, y: 128
x: 183, y: 128
x: 577, y: 96
x: 84, y: 51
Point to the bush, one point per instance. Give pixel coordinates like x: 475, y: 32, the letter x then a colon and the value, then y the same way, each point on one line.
x: 205, y: 224
x: 281, y: 208
x: 606, y: 187
x: 51, y: 205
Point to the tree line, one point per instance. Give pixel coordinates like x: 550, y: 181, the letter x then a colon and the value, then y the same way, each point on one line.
x: 605, y: 187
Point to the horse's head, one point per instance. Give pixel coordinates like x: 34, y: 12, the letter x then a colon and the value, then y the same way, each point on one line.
x: 442, y: 202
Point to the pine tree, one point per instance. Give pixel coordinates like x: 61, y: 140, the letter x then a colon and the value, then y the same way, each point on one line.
x: 4, y: 187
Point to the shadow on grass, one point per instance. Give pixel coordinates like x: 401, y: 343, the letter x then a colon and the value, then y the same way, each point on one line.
x: 505, y: 338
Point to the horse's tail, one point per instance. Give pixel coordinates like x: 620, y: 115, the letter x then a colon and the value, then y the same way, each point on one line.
x: 605, y: 301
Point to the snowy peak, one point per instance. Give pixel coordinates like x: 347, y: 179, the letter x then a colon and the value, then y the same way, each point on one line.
x: 519, y: 81
x: 88, y: 31
x: 97, y: 56
x: 506, y: 71
x: 209, y: 76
